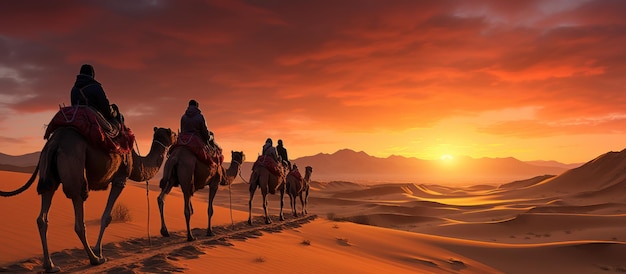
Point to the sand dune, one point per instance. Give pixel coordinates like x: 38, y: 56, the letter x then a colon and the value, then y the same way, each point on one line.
x: 571, y: 223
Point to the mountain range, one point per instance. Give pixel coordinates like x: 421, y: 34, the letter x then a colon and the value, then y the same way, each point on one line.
x: 350, y: 165
x: 23, y: 163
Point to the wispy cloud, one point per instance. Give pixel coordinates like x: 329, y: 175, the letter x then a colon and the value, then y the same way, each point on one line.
x: 341, y: 67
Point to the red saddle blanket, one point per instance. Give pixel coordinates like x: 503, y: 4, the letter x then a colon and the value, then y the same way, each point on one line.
x: 295, y: 173
x: 113, y: 138
x: 209, y: 155
x: 268, y: 163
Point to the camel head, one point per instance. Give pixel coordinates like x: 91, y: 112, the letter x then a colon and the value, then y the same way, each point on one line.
x: 237, y: 159
x: 309, y: 169
x: 165, y: 136
x: 238, y: 156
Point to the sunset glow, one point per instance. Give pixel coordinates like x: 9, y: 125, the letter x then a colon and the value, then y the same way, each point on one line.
x: 446, y: 157
x: 534, y: 80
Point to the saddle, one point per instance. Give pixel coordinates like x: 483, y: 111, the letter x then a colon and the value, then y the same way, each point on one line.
x: 270, y: 164
x: 296, y: 174
x: 110, y: 136
x: 209, y: 155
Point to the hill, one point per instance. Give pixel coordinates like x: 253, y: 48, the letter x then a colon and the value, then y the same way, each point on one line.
x: 21, y: 169
x: 349, y: 165
x: 353, y: 166
x: 602, y: 179
x: 26, y: 160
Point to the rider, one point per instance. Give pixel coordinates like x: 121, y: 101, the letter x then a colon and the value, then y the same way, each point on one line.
x: 193, y: 122
x: 270, y: 150
x: 282, y: 152
x: 87, y: 91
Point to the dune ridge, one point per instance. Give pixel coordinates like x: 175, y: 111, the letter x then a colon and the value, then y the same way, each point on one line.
x: 569, y: 223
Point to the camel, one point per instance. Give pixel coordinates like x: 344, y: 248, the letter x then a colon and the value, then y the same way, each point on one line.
x: 67, y: 158
x: 182, y: 167
x: 299, y: 188
x: 262, y: 178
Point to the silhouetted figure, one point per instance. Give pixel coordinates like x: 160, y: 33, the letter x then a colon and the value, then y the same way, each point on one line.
x: 193, y: 122
x: 89, y: 92
x: 282, y: 152
x: 270, y: 150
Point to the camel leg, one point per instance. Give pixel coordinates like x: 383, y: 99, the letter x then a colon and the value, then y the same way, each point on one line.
x: 212, y: 192
x: 268, y: 220
x: 263, y: 183
x: 161, y: 203
x: 116, y: 190
x: 301, y: 194
x: 254, y: 183
x: 292, y: 204
x: 79, y: 228
x: 306, y: 201
x: 293, y: 201
x: 42, y: 223
x: 282, y: 203
x: 188, y: 213
x: 288, y: 190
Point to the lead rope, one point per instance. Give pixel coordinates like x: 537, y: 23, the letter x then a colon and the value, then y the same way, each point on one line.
x: 147, y: 196
x: 230, y: 197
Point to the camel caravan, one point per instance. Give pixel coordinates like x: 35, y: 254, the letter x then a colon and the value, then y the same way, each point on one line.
x: 89, y: 147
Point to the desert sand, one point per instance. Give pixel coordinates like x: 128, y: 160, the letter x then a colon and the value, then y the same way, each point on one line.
x: 570, y: 223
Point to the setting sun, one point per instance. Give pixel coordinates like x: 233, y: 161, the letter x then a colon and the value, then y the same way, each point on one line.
x: 446, y: 157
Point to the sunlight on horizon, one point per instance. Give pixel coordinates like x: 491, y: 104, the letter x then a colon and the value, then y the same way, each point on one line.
x: 446, y: 157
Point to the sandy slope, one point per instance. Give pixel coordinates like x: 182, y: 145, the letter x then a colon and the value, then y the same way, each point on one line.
x: 536, y: 226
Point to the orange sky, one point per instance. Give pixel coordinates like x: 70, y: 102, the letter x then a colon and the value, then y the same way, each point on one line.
x: 535, y: 80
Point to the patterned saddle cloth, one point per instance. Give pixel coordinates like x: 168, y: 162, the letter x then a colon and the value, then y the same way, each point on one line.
x: 296, y: 174
x: 113, y: 137
x: 209, y: 155
x: 268, y: 163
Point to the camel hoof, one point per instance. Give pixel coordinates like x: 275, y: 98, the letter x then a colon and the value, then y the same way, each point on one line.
x: 268, y: 221
x: 209, y: 233
x: 250, y: 221
x: 190, y: 238
x: 97, y: 261
x: 164, y: 232
x: 52, y: 269
x: 282, y: 218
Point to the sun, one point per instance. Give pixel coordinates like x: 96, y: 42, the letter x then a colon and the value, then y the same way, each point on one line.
x: 446, y: 157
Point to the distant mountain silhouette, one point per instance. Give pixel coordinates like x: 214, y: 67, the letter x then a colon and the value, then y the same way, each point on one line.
x: 554, y: 164
x: 349, y: 165
x: 25, y: 160
x: 352, y: 166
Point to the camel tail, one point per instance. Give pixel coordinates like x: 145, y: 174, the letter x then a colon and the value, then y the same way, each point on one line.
x: 24, y: 187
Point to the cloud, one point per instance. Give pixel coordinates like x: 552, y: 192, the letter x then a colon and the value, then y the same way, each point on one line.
x: 344, y: 67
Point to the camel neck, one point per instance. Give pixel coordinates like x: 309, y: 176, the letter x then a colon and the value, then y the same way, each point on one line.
x: 232, y: 170
x: 145, y: 168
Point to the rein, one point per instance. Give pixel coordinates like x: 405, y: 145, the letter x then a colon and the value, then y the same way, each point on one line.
x: 239, y: 172
x: 154, y: 141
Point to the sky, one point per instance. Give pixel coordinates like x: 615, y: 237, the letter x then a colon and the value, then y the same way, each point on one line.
x: 534, y: 80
